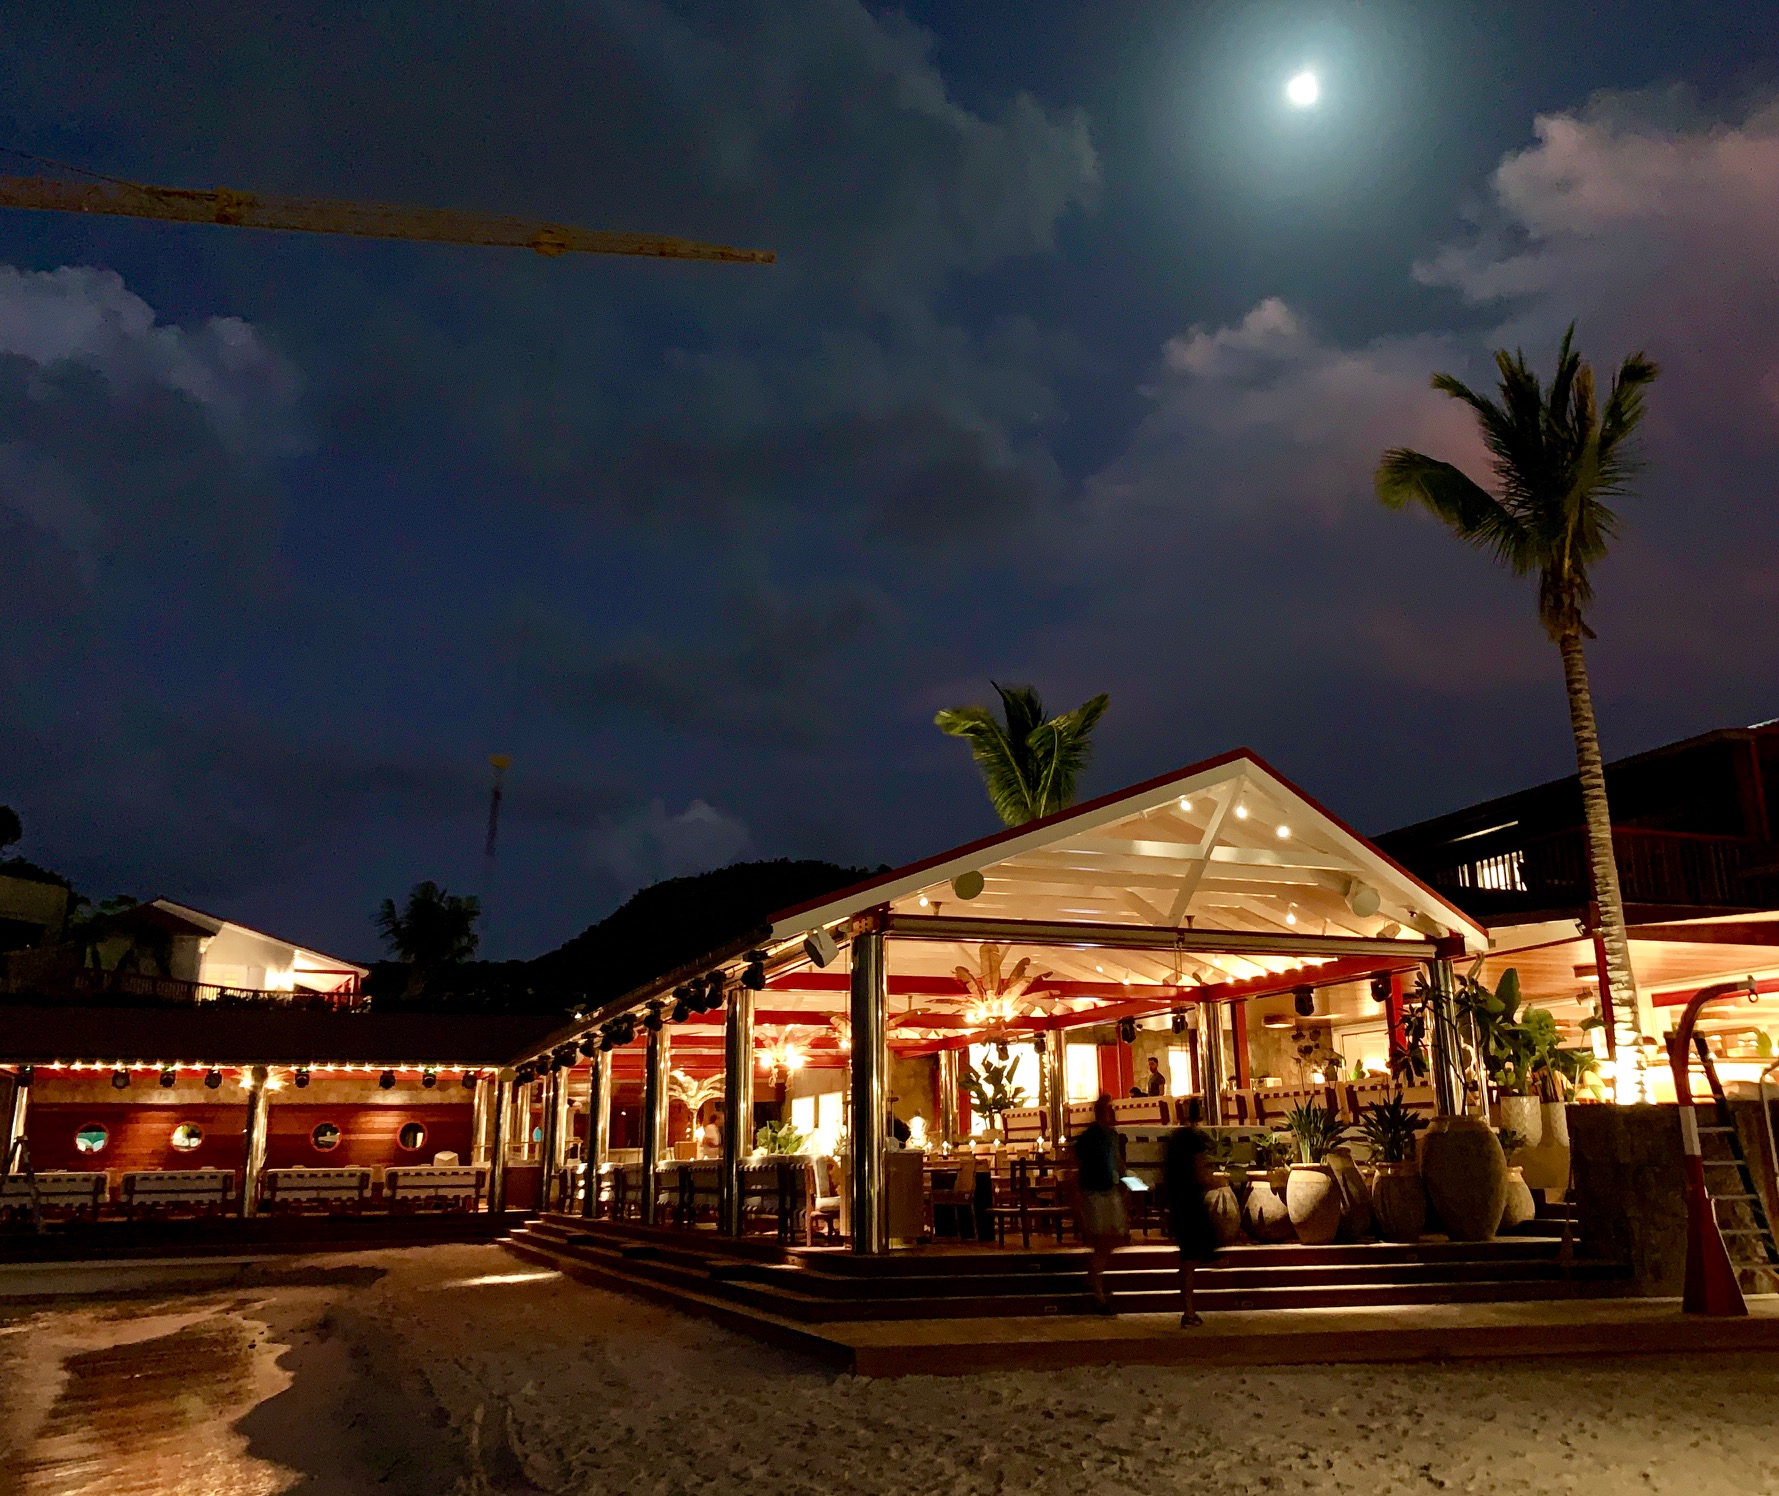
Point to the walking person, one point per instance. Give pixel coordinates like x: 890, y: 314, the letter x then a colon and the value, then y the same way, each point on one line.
x: 1101, y: 1198
x: 1186, y: 1175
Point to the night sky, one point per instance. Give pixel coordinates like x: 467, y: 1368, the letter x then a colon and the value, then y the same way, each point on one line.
x: 1078, y: 355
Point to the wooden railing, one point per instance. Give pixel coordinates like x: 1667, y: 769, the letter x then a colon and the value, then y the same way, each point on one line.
x: 1654, y: 867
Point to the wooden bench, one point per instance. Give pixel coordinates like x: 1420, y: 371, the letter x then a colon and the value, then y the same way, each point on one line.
x: 432, y: 1186
x: 59, y: 1192
x: 206, y: 1190
x: 331, y: 1189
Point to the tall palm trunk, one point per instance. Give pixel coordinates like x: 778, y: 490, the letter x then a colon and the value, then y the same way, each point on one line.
x: 1621, y: 981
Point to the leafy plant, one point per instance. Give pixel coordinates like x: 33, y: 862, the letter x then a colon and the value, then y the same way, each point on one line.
x: 780, y: 1137
x: 1390, y: 1128
x: 1564, y: 1070
x: 1515, y: 1046
x: 1410, y: 1066
x: 433, y: 930
x: 1315, y: 1129
x: 1511, y: 1140
x: 1270, y: 1150
x: 990, y: 1090
x: 1029, y: 764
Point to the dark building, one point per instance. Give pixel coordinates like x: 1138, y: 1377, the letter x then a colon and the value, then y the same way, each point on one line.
x: 1693, y: 829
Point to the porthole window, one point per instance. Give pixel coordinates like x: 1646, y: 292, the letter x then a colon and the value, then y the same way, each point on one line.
x: 411, y: 1136
x: 91, y: 1138
x: 187, y: 1136
x: 326, y: 1137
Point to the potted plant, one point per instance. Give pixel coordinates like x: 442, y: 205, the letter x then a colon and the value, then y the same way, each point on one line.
x: 1266, y: 1215
x: 1520, y: 1206
x: 1514, y: 1047
x: 1220, y: 1200
x: 779, y: 1138
x: 991, y: 1093
x: 1398, y: 1198
x: 1312, y: 1196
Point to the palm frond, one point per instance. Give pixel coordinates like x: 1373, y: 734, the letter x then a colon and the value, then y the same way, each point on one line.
x: 1063, y: 747
x: 995, y: 756
x: 1472, y: 513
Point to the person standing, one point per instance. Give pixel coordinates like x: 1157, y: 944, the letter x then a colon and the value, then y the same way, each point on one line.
x: 1100, y: 1198
x: 1155, y: 1083
x: 1186, y: 1175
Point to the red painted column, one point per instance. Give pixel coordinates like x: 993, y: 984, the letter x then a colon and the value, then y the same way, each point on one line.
x: 1238, y: 1041
x: 1393, y: 1015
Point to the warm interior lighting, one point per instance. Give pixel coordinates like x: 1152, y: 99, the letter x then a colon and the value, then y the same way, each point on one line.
x: 1241, y: 812
x: 1185, y: 804
x: 1283, y: 833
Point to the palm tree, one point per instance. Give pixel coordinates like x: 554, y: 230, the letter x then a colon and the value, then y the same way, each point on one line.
x: 1030, y: 764
x: 1559, y: 461
x: 436, y: 929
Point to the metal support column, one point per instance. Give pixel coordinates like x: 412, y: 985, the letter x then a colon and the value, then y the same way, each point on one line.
x: 258, y: 1105
x: 17, y: 1110
x: 556, y: 1193
x: 498, y: 1107
x: 1448, y: 1056
x: 1056, y: 1088
x: 1211, y: 1067
x: 599, y: 1126
x: 546, y: 1147
x: 654, y: 1118
x: 481, y: 1121
x: 870, y: 1062
x: 950, y: 1124
x: 738, y: 1104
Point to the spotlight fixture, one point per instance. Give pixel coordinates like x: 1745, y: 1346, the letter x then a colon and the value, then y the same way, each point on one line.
x: 682, y: 1010
x: 429, y: 1079
x: 1179, y: 1021
x: 213, y: 1080
x: 301, y: 1079
x: 469, y: 1080
x: 387, y: 1080
x: 523, y: 1075
x: 605, y: 1041
x: 1002, y: 1049
x: 169, y: 1077
x: 1303, y: 1000
x: 120, y: 1079
x: 753, y: 975
x: 821, y: 947
x: 1380, y: 989
x: 1127, y: 1030
x: 652, y: 1019
x: 590, y: 1046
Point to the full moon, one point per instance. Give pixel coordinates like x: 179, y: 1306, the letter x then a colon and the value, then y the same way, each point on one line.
x: 1303, y: 90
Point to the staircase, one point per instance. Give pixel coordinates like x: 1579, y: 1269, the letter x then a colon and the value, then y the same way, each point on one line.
x: 706, y: 1273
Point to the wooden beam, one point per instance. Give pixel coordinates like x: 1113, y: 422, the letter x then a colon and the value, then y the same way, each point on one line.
x: 1148, y: 937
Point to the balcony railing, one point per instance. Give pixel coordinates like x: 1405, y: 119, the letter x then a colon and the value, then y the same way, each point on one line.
x: 1654, y: 867
x: 28, y: 973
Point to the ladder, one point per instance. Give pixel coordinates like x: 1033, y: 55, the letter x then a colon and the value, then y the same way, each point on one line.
x: 1729, y: 1180
x: 21, y: 1150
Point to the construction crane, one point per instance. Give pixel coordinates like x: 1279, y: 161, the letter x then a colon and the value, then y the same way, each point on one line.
x: 117, y: 198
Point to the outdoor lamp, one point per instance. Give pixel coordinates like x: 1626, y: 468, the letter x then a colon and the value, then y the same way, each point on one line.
x: 300, y: 1079
x: 169, y: 1076
x: 212, y: 1079
x: 820, y: 946
x: 429, y: 1079
x: 120, y: 1079
x: 469, y: 1080
x: 387, y: 1080
x: 1303, y: 999
x: 753, y: 975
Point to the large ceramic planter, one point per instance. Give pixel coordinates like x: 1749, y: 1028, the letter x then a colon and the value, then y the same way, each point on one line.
x: 1355, y: 1196
x: 1546, y: 1167
x: 1465, y: 1175
x: 1224, y: 1209
x: 1524, y: 1115
x: 1399, y: 1201
x: 1312, y: 1198
x: 1267, y: 1218
x: 1520, y: 1206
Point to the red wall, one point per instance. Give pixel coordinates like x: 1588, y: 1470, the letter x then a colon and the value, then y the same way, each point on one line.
x: 141, y: 1135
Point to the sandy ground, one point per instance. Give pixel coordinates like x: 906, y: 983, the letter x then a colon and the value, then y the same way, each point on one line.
x: 461, y: 1369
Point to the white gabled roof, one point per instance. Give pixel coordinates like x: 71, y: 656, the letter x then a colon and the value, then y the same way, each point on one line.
x: 1228, y: 844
